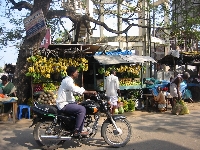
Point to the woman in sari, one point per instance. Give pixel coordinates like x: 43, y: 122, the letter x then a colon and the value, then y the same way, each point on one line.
x: 8, y: 89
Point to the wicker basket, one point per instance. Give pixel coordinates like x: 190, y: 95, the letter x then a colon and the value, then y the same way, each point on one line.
x: 3, y: 117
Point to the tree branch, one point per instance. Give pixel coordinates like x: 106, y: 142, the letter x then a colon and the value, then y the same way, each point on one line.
x: 86, y: 25
x: 68, y: 35
x: 85, y: 17
x: 75, y: 18
x: 20, y: 5
x: 61, y: 14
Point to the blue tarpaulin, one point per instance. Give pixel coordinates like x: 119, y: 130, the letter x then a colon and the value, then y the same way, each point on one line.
x: 115, y: 52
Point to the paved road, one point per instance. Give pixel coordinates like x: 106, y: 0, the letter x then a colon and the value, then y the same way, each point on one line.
x: 151, y: 131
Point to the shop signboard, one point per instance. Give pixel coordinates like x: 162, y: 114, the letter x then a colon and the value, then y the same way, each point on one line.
x: 34, y: 24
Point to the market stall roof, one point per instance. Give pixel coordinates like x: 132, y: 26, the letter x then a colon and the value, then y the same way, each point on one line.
x: 81, y: 47
x: 120, y: 59
x: 157, y: 40
x: 192, y: 58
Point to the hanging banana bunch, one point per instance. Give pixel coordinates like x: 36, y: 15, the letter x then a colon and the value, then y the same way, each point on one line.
x: 43, y: 67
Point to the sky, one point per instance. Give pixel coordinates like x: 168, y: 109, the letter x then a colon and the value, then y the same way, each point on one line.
x: 9, y: 54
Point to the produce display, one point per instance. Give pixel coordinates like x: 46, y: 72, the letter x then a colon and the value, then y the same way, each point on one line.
x: 127, y: 73
x: 191, y: 53
x: 2, y: 96
x: 46, y: 87
x: 131, y: 70
x: 124, y: 82
x: 180, y: 108
x: 41, y: 67
x: 47, y: 98
x: 37, y: 88
x: 128, y: 82
x: 128, y: 106
x: 50, y: 86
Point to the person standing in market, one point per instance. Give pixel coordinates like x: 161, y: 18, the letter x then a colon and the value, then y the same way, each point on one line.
x: 175, y: 88
x: 66, y: 101
x: 112, y: 90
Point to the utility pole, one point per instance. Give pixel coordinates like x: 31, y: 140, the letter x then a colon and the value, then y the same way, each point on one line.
x: 119, y: 21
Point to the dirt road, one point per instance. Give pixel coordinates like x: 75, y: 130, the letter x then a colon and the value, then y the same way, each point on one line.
x: 150, y: 131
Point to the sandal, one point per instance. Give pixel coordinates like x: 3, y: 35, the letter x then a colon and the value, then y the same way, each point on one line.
x: 77, y: 133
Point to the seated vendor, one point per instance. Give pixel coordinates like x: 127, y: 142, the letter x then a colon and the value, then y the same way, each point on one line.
x: 160, y: 99
x: 8, y: 89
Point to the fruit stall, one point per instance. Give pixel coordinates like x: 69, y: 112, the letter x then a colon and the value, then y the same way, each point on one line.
x: 48, y: 68
x: 129, y: 69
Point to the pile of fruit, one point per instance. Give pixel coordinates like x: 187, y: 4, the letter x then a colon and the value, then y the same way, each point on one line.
x: 128, y: 82
x: 43, y: 67
x: 2, y: 96
x: 49, y: 87
x: 180, y: 108
x: 47, y: 98
x: 124, y: 82
x: 37, y: 88
x: 191, y: 53
x: 125, y: 105
x: 46, y: 87
x: 131, y: 69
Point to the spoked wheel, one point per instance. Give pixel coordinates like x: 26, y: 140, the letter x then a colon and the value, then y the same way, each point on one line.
x: 117, y: 137
x: 44, y: 129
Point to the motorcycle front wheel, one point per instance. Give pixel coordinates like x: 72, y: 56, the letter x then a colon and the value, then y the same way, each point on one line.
x: 117, y: 137
x: 43, y: 128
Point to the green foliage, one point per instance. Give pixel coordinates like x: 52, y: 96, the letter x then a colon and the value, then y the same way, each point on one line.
x: 188, y: 27
x: 63, y: 38
x: 1, y: 70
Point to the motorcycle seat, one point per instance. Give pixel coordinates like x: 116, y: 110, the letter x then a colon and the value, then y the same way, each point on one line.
x: 47, y: 108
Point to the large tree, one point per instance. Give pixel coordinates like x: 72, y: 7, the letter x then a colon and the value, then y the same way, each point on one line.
x: 52, y: 15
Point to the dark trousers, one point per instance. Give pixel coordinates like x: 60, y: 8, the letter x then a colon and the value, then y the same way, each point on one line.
x: 78, y: 111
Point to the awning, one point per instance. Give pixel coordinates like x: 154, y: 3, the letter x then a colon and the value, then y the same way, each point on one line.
x: 157, y: 40
x: 120, y: 59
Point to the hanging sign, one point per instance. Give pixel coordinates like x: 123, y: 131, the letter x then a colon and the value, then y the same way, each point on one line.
x: 34, y: 24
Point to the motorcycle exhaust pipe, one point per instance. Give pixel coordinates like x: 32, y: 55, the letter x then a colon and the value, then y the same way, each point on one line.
x: 55, y: 137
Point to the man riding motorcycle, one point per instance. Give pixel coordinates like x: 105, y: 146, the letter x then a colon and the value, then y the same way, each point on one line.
x: 66, y: 101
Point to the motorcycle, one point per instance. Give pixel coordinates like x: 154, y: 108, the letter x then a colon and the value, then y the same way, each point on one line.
x: 53, y: 127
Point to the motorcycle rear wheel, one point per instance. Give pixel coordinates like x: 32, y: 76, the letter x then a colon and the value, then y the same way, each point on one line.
x: 49, y: 144
x: 109, y: 132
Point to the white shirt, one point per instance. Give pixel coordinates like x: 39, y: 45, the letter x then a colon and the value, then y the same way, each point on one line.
x: 65, y: 92
x: 111, y: 85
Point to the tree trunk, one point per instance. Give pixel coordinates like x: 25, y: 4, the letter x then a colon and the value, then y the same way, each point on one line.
x: 23, y: 83
x: 78, y: 26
